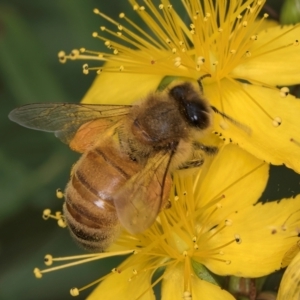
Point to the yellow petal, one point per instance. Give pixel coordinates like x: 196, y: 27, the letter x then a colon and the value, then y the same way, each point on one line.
x: 260, y: 235
x: 274, y: 59
x: 173, y: 287
x: 258, y: 111
x: 229, y: 174
x: 119, y: 286
x: 290, y: 283
x: 119, y: 88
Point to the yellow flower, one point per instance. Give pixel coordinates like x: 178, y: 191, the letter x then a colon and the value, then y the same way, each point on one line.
x: 290, y: 283
x: 246, y: 62
x: 212, y: 222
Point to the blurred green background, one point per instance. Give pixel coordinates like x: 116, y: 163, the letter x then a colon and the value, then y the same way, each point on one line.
x: 34, y: 164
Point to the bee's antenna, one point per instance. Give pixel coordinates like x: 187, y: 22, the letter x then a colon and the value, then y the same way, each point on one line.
x: 231, y: 120
x: 200, y: 81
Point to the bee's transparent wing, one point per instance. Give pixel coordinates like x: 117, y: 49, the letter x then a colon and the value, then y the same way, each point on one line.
x: 64, y: 119
x: 140, y: 200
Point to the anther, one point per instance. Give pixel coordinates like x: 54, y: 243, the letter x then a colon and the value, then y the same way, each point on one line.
x: 248, y: 53
x: 296, y: 43
x: 37, y: 273
x: 200, y: 60
x: 85, y: 69
x: 184, y: 253
x: 62, y: 56
x: 134, y: 271
x: 266, y: 16
x: 96, y: 11
x: 284, y: 91
x: 187, y: 295
x: 102, y: 28
x: 46, y: 214
x: 62, y: 223
x: 48, y: 260
x: 276, y: 121
x: 220, y: 29
x: 74, y: 54
x: 121, y: 68
x: 237, y: 239
x: 245, y: 23
x: 239, y: 17
x: 194, y: 239
x: 228, y: 262
x: 74, y: 292
x: 196, y: 247
x: 161, y: 6
x: 254, y: 37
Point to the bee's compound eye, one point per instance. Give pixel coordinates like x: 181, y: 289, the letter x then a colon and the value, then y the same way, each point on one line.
x: 191, y: 105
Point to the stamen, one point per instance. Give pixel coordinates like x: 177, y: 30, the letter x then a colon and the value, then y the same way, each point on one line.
x: 187, y: 295
x: 187, y: 274
x: 277, y: 121
x: 74, y: 292
x: 48, y: 260
x: 58, y: 216
x: 238, y: 239
x: 256, y: 103
x: 59, y: 193
x: 37, y: 273
x: 81, y: 259
x: 284, y: 91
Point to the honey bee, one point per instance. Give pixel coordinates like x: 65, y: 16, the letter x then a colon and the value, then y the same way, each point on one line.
x: 123, y: 177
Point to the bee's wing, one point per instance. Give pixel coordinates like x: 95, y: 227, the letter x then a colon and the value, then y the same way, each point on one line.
x: 142, y: 197
x: 64, y: 119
